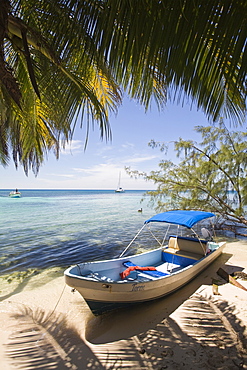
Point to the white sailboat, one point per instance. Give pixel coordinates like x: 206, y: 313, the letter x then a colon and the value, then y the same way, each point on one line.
x: 119, y: 189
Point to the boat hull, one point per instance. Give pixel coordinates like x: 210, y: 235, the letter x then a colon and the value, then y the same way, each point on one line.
x: 102, y: 296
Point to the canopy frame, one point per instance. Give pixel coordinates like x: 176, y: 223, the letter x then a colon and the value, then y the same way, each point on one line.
x: 179, y: 218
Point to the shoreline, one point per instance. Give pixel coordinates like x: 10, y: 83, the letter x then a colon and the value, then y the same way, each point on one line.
x: 45, y: 325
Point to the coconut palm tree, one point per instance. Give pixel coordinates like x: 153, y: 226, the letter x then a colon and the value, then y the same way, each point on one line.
x: 47, y: 80
x: 197, y: 48
x: 60, y: 58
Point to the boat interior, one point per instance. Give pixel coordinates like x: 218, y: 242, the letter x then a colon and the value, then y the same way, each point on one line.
x: 179, y: 253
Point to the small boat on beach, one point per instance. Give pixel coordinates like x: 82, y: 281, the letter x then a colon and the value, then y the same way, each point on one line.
x: 120, y: 282
x: 15, y: 194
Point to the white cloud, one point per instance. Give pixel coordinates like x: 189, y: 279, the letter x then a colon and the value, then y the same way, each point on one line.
x: 141, y: 159
x: 73, y: 147
x: 97, y: 169
x: 128, y: 145
x: 62, y: 175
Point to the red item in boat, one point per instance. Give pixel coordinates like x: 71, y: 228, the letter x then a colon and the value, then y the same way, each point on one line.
x: 126, y: 272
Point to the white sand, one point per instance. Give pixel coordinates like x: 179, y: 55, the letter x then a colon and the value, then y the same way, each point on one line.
x: 46, y: 326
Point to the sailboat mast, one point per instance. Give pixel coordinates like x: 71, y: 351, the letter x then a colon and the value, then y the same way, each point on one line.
x: 119, y: 189
x: 119, y: 179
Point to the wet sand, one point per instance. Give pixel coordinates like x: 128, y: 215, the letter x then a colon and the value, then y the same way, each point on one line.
x: 46, y: 326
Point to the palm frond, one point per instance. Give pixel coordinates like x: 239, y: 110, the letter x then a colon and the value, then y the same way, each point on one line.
x: 78, y: 53
x: 199, y: 46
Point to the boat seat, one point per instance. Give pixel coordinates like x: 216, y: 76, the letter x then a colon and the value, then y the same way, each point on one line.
x: 181, y: 253
x: 153, y: 273
x: 187, y: 247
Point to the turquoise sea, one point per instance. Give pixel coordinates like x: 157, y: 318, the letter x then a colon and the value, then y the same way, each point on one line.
x: 47, y: 229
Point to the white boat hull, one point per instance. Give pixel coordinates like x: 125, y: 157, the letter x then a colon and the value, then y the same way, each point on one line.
x: 15, y: 195
x: 110, y: 291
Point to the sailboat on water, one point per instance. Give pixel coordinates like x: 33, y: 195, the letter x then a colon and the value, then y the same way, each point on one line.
x: 119, y: 189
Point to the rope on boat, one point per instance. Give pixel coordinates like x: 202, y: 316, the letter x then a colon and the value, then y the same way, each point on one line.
x: 52, y: 312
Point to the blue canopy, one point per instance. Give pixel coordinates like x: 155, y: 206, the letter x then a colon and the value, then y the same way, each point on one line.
x: 183, y: 218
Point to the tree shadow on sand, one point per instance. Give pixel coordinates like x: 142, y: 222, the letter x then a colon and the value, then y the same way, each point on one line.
x: 188, y: 329
x: 209, y: 336
x: 43, y: 342
x: 47, y: 341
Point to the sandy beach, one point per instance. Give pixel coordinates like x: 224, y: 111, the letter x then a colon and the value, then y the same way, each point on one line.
x: 46, y: 326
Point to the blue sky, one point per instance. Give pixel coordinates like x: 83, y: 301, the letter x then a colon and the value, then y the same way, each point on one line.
x: 99, y: 166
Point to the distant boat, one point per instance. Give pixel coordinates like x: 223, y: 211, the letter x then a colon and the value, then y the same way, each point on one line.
x: 119, y: 189
x: 15, y: 194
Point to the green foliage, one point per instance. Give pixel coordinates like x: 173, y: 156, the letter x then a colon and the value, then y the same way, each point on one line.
x: 61, y: 59
x: 210, y: 176
x: 48, y: 78
x: 196, y: 48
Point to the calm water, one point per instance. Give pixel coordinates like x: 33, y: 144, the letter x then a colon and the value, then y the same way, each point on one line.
x: 57, y: 228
